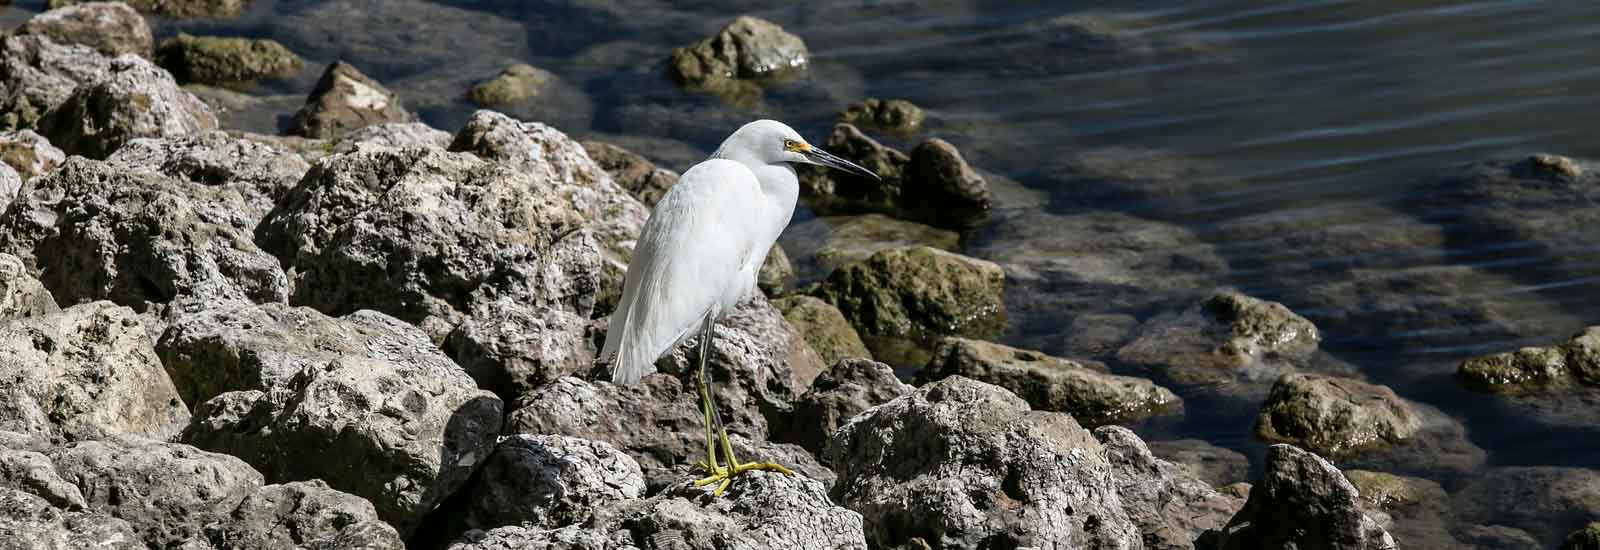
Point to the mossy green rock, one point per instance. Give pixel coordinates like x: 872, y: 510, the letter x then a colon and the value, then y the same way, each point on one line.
x: 516, y: 83
x: 1090, y: 395
x: 1334, y: 416
x: 747, y: 48
x: 891, y: 115
x: 1386, y: 492
x: 917, y: 294
x: 1532, y: 369
x: 822, y: 326
x: 1587, y: 538
x: 224, y: 60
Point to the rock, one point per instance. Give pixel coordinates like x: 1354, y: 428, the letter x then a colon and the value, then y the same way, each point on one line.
x: 514, y: 84
x: 824, y: 244
x: 776, y: 273
x: 1550, y: 501
x: 10, y: 184
x: 823, y: 328
x: 1384, y: 492
x: 135, y: 99
x: 168, y: 492
x: 632, y: 171
x: 1535, y: 369
x: 38, y: 75
x: 1415, y: 511
x: 540, y: 96
x: 1218, y: 466
x: 1301, y: 501
x: 1498, y: 537
x: 512, y: 349
x: 303, y: 514
x: 21, y: 295
x: 890, y: 115
x: 1170, y: 506
x: 1224, y: 337
x: 258, y: 172
x: 30, y: 154
x: 396, y: 135
x: 917, y: 294
x: 103, y: 230
x: 1092, y: 396
x: 111, y: 28
x: 344, y: 99
x: 1439, y: 448
x: 179, y: 9
x: 932, y: 185
x: 84, y: 373
x: 963, y: 464
x: 550, y: 481
x: 846, y: 389
x: 745, y: 50
x: 32, y: 523
x: 24, y: 467
x: 1334, y: 416
x: 226, y: 60
x: 517, y: 537
x: 410, y: 418
x: 1587, y: 538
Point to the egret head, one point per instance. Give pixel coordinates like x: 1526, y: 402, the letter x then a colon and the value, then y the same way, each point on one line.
x: 772, y: 142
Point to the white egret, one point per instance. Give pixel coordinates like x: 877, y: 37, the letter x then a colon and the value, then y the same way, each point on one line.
x: 699, y: 255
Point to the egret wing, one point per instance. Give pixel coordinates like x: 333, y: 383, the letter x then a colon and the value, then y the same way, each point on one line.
x: 691, y: 252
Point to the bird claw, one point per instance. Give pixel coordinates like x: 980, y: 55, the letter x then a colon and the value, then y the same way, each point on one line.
x: 723, y: 477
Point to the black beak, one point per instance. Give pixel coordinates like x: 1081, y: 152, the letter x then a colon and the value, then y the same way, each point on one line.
x: 824, y: 158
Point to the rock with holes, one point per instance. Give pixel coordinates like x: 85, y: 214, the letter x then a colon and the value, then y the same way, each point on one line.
x: 550, y: 481
x: 84, y: 373
x: 38, y: 74
x: 99, y: 230
x: 344, y: 100
x: 963, y: 464
x: 415, y: 424
x: 135, y: 99
x: 1334, y: 416
x: 258, y: 172
x: 394, y: 135
x: 29, y: 522
x: 758, y: 362
x: 302, y: 514
x: 1170, y: 506
x: 932, y: 184
x: 29, y: 154
x: 21, y: 295
x: 111, y: 28
x: 846, y: 389
x: 1301, y: 501
x: 10, y: 184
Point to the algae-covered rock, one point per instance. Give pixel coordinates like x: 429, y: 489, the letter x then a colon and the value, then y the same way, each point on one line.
x: 632, y: 171
x: 823, y: 327
x: 111, y: 28
x: 345, y: 99
x: 918, y: 293
x: 1532, y: 369
x: 515, y: 83
x: 1223, y: 337
x: 1092, y: 396
x: 136, y: 99
x: 226, y: 60
x: 1587, y: 538
x: 1334, y: 416
x: 827, y: 242
x: 890, y: 115
x: 747, y: 49
x: 932, y: 185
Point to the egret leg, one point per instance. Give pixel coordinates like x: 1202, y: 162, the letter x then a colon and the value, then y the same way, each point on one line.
x: 707, y: 409
x: 722, y: 477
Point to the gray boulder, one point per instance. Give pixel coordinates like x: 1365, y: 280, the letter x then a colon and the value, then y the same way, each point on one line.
x: 37, y: 75
x: 97, y: 230
x: 258, y: 172
x: 31, y: 523
x: 29, y: 154
x: 1170, y: 506
x: 135, y: 99
x: 394, y: 135
x: 111, y: 28
x: 1092, y: 396
x: 21, y: 295
x: 1334, y: 416
x: 963, y: 464
x: 10, y: 184
x: 1301, y: 501
x: 302, y: 515
x: 343, y: 100
x: 846, y: 389
x: 550, y: 481
x: 393, y: 404
x: 84, y: 373
x: 932, y: 185
x: 758, y: 362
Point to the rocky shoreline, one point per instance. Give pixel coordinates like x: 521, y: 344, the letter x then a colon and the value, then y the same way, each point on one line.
x: 372, y: 333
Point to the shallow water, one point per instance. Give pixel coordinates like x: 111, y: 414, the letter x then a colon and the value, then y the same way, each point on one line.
x: 1271, y: 125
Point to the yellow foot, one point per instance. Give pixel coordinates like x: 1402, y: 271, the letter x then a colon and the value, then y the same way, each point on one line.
x: 723, y: 477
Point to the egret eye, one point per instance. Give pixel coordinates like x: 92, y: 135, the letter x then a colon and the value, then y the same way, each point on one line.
x: 790, y: 145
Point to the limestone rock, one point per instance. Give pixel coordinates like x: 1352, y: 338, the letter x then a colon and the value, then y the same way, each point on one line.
x: 632, y: 171
x: 1170, y: 506
x: 550, y: 481
x: 303, y: 514
x: 30, y: 154
x: 178, y: 9
x: 21, y: 295
x: 747, y: 49
x: 516, y: 83
x: 823, y: 327
x: 395, y: 135
x: 1334, y: 416
x: 37, y: 75
x: 31, y: 523
x: 111, y: 28
x: 846, y: 389
x: 343, y: 100
x: 1301, y: 501
x: 1224, y: 337
x: 1534, y: 369
x: 258, y: 172
x: 136, y: 99
x: 890, y: 115
x: 917, y: 294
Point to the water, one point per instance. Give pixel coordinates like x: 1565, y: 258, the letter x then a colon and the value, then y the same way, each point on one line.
x: 1274, y: 131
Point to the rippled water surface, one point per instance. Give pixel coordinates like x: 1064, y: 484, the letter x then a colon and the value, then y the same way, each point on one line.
x: 1287, y: 143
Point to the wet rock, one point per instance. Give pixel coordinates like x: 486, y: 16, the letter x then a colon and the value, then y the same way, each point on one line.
x: 226, y: 60
x: 846, y: 389
x: 111, y: 28
x: 344, y: 99
x: 1415, y: 511
x: 178, y: 9
x: 516, y: 83
x: 828, y: 242
x: 168, y: 492
x: 1587, y: 538
x: 1170, y: 506
x: 731, y: 62
x: 258, y: 172
x: 1385, y: 492
x: 1439, y: 448
x: 1549, y: 501
x: 890, y: 115
x: 931, y: 185
x: 83, y: 373
x: 1301, y: 501
x: 823, y: 328
x: 410, y: 417
x: 541, y: 96
x: 396, y: 135
x: 963, y: 464
x: 1221, y: 338
x: 550, y: 481
x: 31, y: 522
x: 1092, y: 396
x: 103, y: 230
x: 37, y: 75
x: 776, y: 273
x: 303, y: 514
x: 1533, y: 369
x: 1216, y: 465
x: 136, y: 99
x: 29, y: 154
x: 1498, y: 537
x: 1334, y: 416
x: 21, y: 295
x: 917, y: 294
x: 632, y: 171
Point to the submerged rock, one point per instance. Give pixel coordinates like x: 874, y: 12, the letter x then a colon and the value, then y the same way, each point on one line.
x: 226, y: 60
x: 111, y: 28
x: 84, y: 373
x: 1301, y: 501
x: 136, y: 99
x: 890, y: 115
x: 1334, y: 416
x: 917, y: 294
x: 344, y: 99
x: 514, y: 84
x: 178, y: 9
x: 1092, y: 396
x: 21, y: 295
x: 30, y: 154
x: 826, y: 243
x: 37, y: 75
x: 1216, y: 465
x: 846, y: 389
x: 550, y: 481
x: 823, y: 328
x: 1546, y: 501
x: 1223, y: 337
x: 932, y: 185
x: 746, y: 50
x: 1169, y: 504
x: 1534, y: 369
x: 965, y: 465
